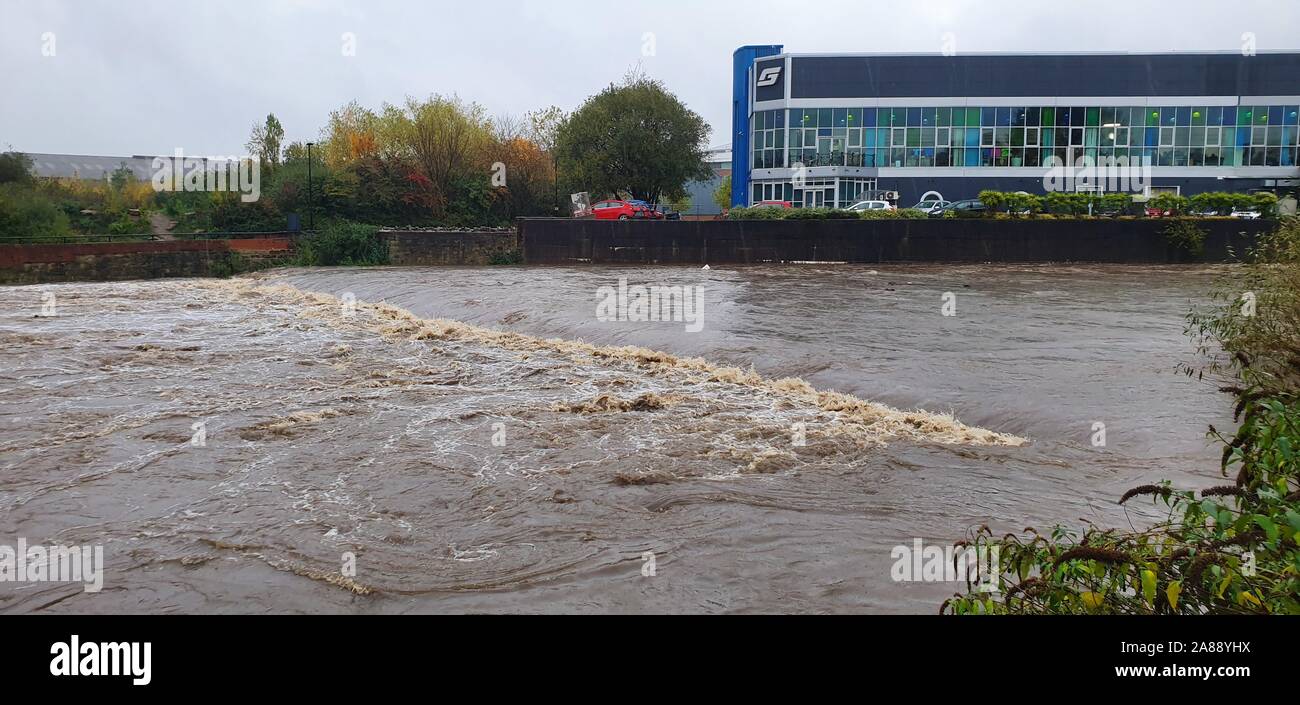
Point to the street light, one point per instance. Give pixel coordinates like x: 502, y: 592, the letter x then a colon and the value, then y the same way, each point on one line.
x: 311, y: 218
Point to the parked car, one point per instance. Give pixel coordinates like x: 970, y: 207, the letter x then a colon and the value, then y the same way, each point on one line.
x: 872, y: 206
x: 931, y: 205
x: 774, y: 204
x: 667, y: 213
x: 962, y: 209
x: 651, y: 212
x: 1247, y: 215
x: 618, y: 210
x: 1158, y: 213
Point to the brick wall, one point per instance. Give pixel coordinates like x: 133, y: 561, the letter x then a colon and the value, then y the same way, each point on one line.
x: 114, y: 261
x: 429, y: 248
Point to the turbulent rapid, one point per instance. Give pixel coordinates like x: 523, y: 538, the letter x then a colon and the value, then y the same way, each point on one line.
x: 450, y: 440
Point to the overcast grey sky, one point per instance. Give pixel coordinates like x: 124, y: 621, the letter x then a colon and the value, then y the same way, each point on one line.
x: 148, y: 76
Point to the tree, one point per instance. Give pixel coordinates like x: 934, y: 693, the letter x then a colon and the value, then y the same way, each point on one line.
x: 15, y: 167
x: 722, y: 194
x: 265, y: 142
x: 635, y: 138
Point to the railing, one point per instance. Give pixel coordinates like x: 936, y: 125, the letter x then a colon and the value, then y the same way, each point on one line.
x: 146, y: 237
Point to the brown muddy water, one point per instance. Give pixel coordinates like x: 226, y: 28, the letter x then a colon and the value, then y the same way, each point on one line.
x: 229, y: 444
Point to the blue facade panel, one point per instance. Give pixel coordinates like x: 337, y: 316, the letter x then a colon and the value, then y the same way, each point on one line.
x: 742, y: 59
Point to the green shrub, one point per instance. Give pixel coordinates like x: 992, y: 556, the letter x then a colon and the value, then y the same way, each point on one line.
x: 1171, y: 202
x: 1233, y: 549
x: 27, y: 216
x: 510, y: 257
x: 340, y: 243
x: 761, y: 213
x: 1185, y: 236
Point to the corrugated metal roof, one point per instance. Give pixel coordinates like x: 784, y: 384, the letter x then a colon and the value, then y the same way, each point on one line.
x: 82, y: 166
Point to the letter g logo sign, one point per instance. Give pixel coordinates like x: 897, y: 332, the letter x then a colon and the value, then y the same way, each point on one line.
x: 769, y: 77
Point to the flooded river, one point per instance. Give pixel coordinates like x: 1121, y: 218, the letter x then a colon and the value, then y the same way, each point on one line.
x: 477, y: 440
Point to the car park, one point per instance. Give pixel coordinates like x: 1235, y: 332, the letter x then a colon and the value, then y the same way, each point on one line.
x: 931, y: 205
x: 962, y: 209
x: 872, y: 206
x: 619, y: 210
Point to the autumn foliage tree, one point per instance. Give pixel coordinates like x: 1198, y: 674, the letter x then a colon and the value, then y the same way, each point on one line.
x: 634, y: 138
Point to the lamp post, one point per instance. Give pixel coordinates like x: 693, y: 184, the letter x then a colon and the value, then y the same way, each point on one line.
x: 311, y: 218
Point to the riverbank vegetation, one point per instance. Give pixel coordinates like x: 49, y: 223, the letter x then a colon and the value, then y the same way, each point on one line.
x: 433, y: 162
x: 1231, y: 548
x: 776, y: 213
x: 1059, y: 204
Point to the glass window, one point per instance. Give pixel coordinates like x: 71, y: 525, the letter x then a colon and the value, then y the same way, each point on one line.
x: 973, y: 117
x: 1018, y: 117
x: 1031, y: 117
x: 1230, y: 115
x: 840, y: 117
x: 1183, y: 115
x: 824, y: 118
x: 1214, y: 115
x: 1004, y: 117
x: 1094, y: 117
x: 928, y: 117
x: 913, y: 117
x: 1290, y: 114
x: 1198, y: 116
x: 943, y: 117
x: 1153, y: 117
x: 988, y: 117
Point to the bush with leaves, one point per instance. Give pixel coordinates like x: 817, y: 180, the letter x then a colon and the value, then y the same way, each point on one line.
x: 1183, y: 235
x: 340, y: 243
x: 1230, y: 549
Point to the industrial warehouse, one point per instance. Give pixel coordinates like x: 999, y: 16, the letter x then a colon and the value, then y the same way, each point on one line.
x: 829, y: 130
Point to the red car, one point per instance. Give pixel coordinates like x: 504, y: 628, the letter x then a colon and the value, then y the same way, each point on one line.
x: 774, y: 204
x: 1158, y: 213
x: 619, y: 210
